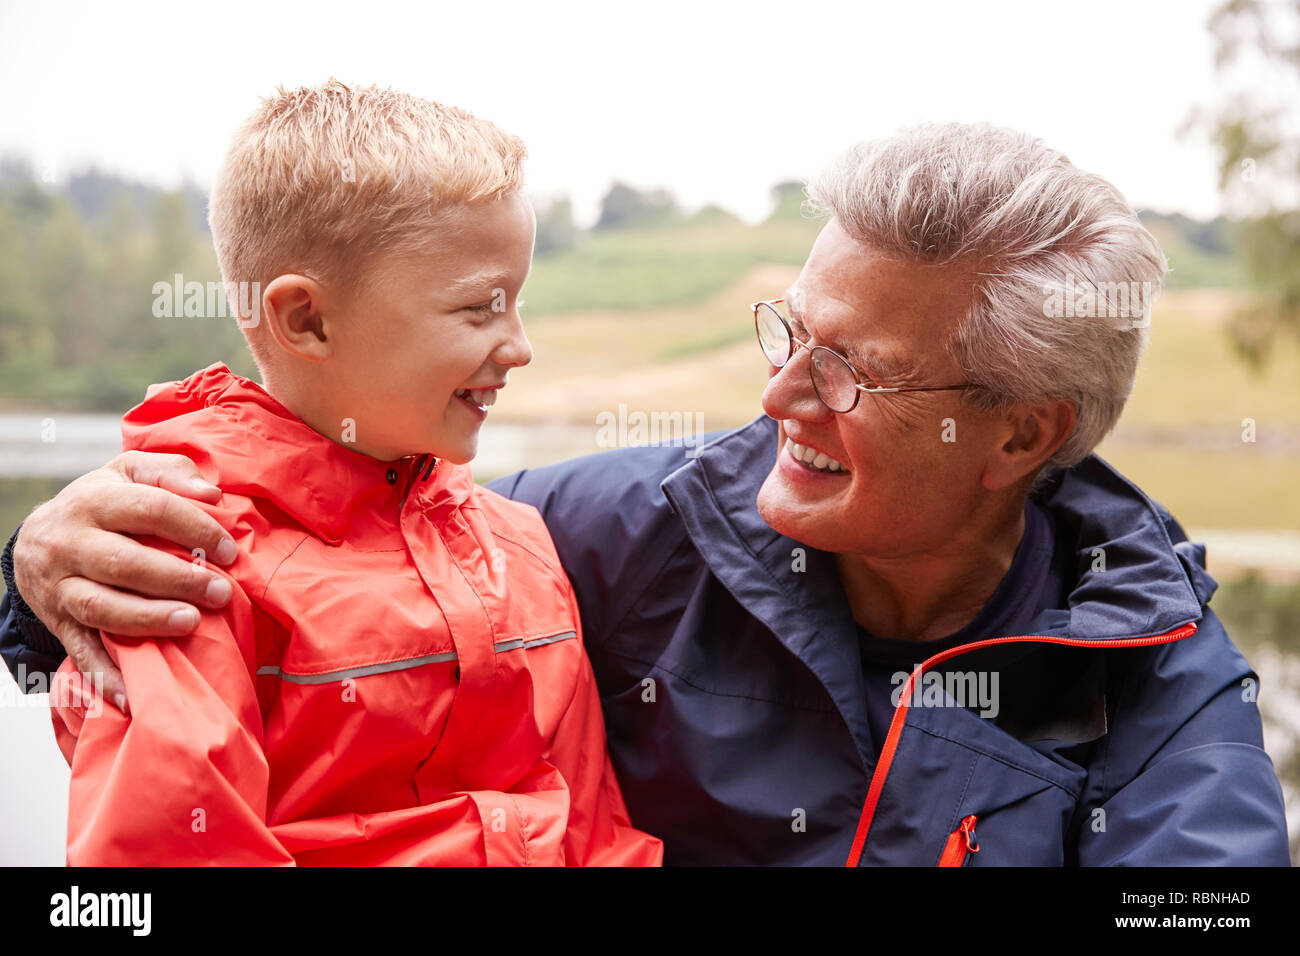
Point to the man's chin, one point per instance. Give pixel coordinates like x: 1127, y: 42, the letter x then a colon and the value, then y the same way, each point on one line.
x: 781, y: 514
x: 818, y: 524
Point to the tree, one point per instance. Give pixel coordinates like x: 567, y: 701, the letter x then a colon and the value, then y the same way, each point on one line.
x: 625, y: 206
x: 787, y: 201
x: 556, y: 230
x: 1257, y: 55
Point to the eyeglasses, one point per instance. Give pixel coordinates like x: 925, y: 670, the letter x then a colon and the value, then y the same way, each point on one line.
x: 837, y: 383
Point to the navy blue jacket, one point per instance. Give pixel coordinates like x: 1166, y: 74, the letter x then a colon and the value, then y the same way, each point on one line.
x: 729, y: 670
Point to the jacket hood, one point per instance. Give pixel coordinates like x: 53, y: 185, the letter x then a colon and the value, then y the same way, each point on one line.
x: 248, y: 443
x: 1153, y: 580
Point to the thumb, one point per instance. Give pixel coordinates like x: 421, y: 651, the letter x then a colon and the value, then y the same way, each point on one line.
x: 87, y: 651
x: 174, y: 473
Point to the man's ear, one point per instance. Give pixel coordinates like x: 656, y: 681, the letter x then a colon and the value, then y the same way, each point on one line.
x: 1035, y: 432
x: 293, y: 307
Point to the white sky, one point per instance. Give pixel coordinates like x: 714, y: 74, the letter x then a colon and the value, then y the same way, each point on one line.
x: 716, y: 101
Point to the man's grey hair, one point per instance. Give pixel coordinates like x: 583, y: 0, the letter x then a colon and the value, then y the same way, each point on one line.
x: 1039, y: 233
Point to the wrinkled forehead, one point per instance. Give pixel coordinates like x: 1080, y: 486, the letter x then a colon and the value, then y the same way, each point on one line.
x: 890, y: 326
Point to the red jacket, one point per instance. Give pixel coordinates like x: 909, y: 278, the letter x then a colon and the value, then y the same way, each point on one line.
x: 398, y: 679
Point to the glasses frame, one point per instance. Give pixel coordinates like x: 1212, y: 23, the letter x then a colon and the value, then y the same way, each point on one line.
x: 858, y: 376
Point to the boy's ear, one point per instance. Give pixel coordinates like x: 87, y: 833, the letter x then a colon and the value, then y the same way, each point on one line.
x: 293, y: 307
x: 1034, y: 433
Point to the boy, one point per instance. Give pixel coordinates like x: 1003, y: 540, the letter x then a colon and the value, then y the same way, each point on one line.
x: 399, y: 676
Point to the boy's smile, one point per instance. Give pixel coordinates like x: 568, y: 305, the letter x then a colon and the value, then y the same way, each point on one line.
x: 479, y: 400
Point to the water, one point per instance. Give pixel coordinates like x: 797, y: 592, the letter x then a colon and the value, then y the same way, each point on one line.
x: 56, y: 444
x: 65, y: 445
x: 40, y: 452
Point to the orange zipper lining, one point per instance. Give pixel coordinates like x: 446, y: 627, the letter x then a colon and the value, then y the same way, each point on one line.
x: 900, y: 712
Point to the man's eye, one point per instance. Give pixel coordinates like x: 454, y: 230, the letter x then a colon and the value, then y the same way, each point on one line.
x: 481, y: 307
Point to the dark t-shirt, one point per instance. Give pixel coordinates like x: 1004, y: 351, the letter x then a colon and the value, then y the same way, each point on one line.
x: 1031, y: 584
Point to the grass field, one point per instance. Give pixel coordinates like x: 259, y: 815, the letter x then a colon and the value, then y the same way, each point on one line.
x: 1181, y: 436
x: 634, y: 270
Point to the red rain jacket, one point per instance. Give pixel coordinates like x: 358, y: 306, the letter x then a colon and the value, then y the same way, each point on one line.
x: 398, y: 679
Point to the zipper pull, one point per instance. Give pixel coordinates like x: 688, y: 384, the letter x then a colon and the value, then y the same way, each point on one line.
x: 960, y: 843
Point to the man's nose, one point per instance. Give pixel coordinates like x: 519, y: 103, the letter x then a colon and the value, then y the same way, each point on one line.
x: 790, y: 393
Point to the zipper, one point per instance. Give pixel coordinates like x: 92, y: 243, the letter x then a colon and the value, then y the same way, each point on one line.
x: 414, y: 474
x: 411, y: 477
x: 960, y: 842
x: 900, y: 712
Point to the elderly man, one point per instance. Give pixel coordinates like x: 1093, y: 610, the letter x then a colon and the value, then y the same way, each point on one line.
x: 904, y: 617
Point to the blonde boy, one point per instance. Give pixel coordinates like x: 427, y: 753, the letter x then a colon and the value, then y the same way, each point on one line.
x: 399, y: 675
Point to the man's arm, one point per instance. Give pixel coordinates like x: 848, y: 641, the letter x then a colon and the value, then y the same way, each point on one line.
x: 79, y: 568
x: 30, y: 651
x: 74, y: 566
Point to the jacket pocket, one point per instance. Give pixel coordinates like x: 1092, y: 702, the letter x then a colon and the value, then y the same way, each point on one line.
x: 960, y: 843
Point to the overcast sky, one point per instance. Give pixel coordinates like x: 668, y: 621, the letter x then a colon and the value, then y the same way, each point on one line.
x: 716, y: 101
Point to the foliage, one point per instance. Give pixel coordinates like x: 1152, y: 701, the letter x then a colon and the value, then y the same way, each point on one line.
x: 1257, y: 611
x: 78, y: 266
x: 556, y: 230
x: 625, y: 206
x: 77, y: 324
x: 1253, y: 129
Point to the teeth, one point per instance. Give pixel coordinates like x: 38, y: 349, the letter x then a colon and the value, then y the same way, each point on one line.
x: 482, y: 397
x: 810, y: 456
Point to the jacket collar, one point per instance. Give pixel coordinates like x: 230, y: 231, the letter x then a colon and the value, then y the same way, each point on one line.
x: 248, y: 443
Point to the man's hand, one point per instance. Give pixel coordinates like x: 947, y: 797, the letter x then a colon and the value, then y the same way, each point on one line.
x: 79, y: 570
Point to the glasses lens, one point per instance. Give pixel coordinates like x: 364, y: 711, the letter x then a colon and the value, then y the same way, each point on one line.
x: 773, y: 334
x: 834, y: 380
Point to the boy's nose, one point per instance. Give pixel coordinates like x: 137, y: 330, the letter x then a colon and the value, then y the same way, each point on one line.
x: 516, y: 350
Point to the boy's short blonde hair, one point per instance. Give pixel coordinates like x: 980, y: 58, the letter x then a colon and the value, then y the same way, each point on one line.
x: 320, y: 180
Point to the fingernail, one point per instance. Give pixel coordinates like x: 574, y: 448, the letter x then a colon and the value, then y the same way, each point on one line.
x: 218, y: 592
x: 120, y: 701
x: 226, y: 551
x: 203, y: 487
x: 183, y: 619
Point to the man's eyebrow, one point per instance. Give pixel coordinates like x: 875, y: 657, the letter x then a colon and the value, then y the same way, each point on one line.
x: 872, y: 362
